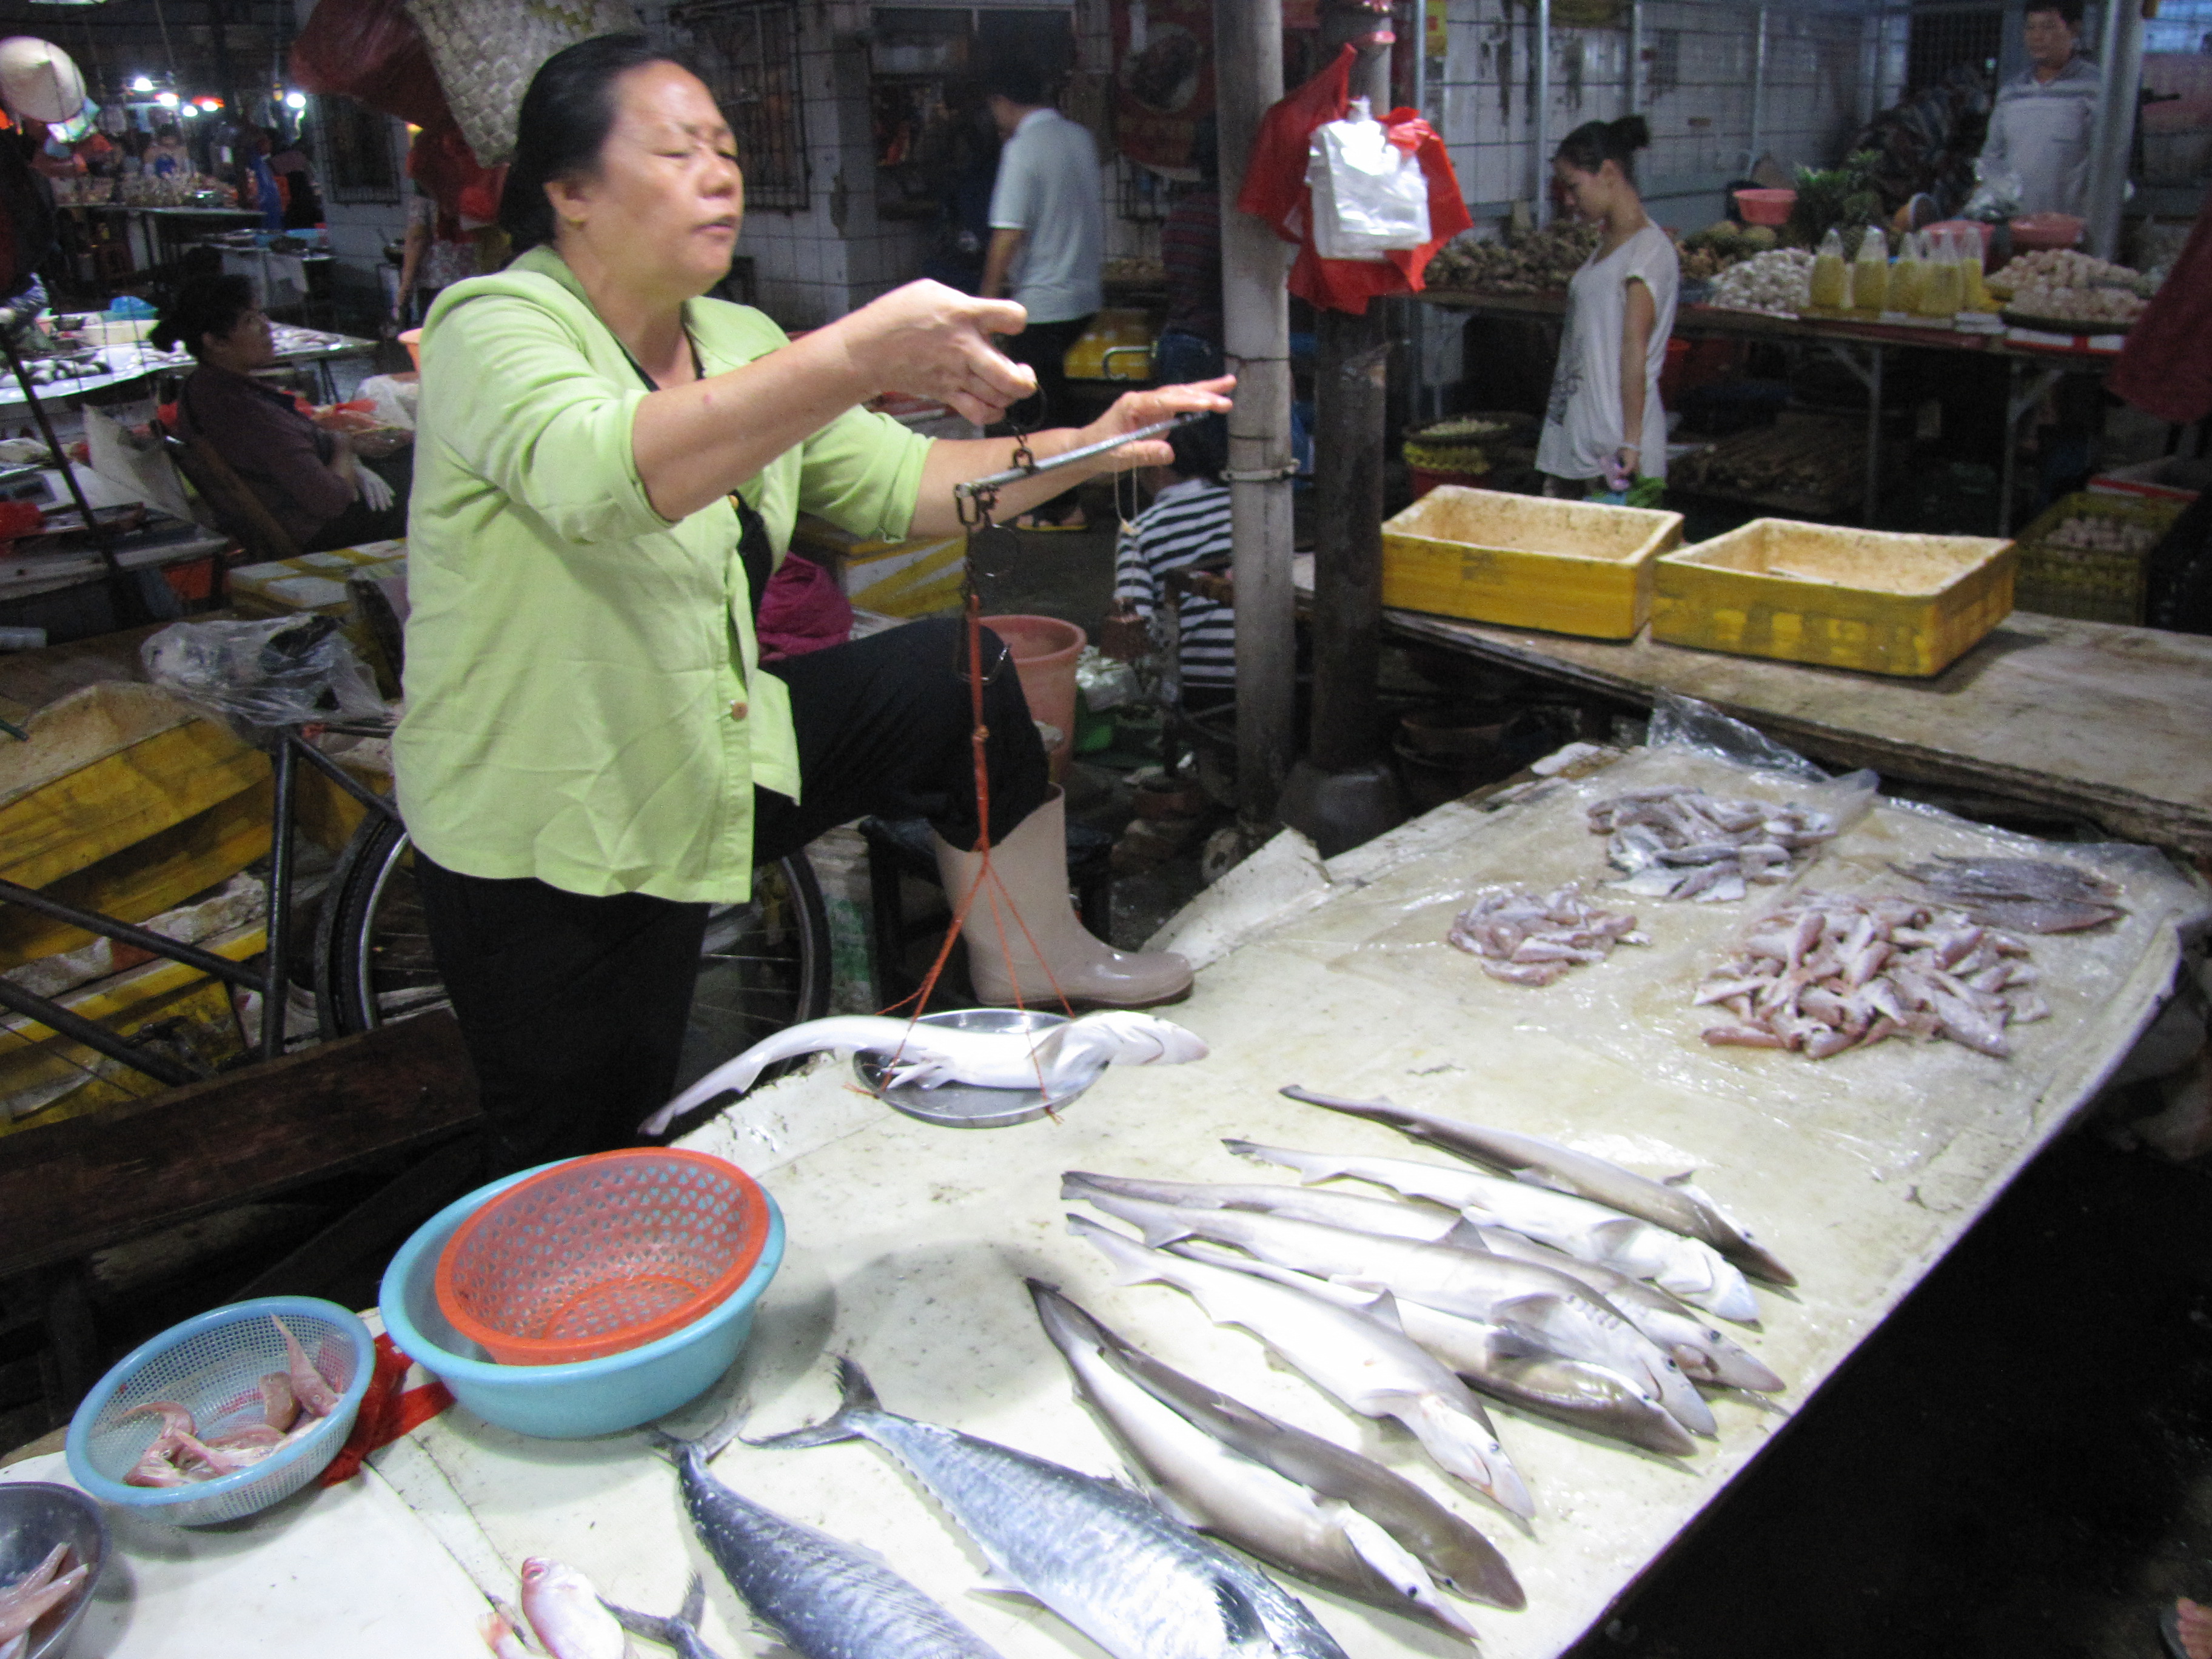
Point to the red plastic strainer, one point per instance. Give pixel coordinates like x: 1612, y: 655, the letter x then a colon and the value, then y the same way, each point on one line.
x: 602, y: 1255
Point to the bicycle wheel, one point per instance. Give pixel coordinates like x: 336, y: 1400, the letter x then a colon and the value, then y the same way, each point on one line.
x: 765, y: 963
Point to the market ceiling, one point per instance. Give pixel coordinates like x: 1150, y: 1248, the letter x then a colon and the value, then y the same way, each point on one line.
x: 118, y: 40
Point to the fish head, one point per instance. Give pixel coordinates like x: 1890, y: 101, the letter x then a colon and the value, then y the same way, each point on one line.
x: 1142, y: 1039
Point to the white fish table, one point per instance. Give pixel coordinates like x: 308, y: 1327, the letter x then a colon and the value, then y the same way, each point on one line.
x: 909, y: 1244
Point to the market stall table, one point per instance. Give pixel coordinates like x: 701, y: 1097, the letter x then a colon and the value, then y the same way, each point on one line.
x: 2034, y: 360
x: 909, y: 1244
x: 2094, y: 719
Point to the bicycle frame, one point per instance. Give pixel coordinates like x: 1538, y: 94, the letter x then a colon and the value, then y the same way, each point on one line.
x: 271, y: 982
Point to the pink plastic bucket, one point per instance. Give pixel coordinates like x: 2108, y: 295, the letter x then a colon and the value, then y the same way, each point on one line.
x: 1045, y: 649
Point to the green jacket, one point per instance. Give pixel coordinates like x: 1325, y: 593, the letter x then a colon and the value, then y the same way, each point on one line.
x: 584, y: 702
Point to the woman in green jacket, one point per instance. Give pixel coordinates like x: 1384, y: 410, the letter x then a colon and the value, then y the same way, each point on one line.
x: 607, y: 470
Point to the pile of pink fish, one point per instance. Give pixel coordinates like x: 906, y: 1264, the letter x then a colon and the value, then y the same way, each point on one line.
x: 1834, y: 971
x: 1532, y: 938
x: 37, y: 1593
x: 293, y: 1402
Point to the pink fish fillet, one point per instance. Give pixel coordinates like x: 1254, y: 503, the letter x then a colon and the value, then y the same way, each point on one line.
x: 29, y: 1609
x: 175, y: 1418
x: 35, y: 1580
x: 280, y: 1407
x: 309, y: 1386
x: 16, y: 1646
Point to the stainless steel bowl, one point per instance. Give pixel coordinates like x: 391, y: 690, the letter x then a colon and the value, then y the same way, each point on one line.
x: 35, y: 1516
x: 963, y: 1105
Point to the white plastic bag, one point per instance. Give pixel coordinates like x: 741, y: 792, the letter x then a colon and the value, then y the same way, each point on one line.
x: 1369, y: 197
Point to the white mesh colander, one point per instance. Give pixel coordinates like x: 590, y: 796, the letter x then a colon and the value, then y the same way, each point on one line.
x: 213, y: 1366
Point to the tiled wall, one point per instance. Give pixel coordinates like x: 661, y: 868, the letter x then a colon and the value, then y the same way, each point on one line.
x: 1693, y: 87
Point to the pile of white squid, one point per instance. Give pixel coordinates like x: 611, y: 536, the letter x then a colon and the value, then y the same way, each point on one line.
x: 1548, y: 1279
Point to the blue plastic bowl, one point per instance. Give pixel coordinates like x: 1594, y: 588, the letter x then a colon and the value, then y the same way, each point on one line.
x: 213, y: 1366
x: 563, y: 1402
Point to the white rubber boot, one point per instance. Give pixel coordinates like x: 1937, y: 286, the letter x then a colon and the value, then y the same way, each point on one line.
x: 1031, y: 867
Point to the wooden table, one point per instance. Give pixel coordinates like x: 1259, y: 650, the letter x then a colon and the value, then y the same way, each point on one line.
x: 2034, y: 363
x: 2113, y: 723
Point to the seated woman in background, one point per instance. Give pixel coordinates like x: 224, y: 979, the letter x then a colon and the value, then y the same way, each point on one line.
x: 318, y: 491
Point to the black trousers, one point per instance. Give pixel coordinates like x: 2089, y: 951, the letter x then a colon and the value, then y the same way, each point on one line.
x: 573, y: 1008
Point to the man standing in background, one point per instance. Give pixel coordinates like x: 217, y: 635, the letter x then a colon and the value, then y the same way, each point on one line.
x: 1047, y: 237
x: 2041, y: 126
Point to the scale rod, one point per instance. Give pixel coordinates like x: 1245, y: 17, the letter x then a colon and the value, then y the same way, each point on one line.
x: 998, y: 481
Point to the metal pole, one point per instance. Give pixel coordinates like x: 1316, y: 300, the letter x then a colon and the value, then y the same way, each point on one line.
x: 2114, y: 133
x: 1758, y: 97
x: 276, y: 990
x: 1632, y: 79
x: 1256, y: 340
x: 1540, y: 115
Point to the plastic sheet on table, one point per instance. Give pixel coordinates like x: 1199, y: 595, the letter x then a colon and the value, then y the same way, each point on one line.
x: 1892, y: 1108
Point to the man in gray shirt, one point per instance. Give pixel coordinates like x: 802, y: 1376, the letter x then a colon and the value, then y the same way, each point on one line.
x: 2043, y: 119
x: 1047, y: 231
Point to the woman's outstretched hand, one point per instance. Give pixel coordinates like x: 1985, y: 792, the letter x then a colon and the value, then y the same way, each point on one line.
x: 1134, y: 410
x: 929, y: 341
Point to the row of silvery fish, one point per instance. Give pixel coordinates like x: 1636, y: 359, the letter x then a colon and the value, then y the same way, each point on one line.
x: 1677, y: 842
x: 1392, y: 1305
x: 1534, y: 938
x: 1835, y: 971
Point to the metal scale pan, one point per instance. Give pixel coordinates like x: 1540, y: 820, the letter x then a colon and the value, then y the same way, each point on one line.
x: 965, y: 1105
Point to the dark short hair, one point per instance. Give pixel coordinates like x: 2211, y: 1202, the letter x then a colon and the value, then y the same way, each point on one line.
x: 1593, y: 143
x: 1016, y: 78
x: 1202, y: 449
x: 564, y: 123
x: 204, y: 306
x: 2068, y: 10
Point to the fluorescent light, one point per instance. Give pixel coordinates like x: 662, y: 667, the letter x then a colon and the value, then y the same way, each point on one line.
x: 189, y: 110
x: 165, y: 100
x: 143, y: 84
x: 296, y: 99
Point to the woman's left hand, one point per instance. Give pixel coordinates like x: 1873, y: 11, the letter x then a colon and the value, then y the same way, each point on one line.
x: 1134, y: 410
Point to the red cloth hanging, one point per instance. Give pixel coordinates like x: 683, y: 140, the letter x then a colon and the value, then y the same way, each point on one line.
x: 2166, y: 367
x: 1275, y: 191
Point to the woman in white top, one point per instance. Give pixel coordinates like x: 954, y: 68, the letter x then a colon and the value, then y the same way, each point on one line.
x: 1604, y: 430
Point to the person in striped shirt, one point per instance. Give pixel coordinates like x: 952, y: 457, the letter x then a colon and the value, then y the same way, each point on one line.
x: 1186, y: 525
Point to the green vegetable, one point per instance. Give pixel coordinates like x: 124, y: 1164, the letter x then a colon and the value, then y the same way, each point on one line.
x: 1837, y: 198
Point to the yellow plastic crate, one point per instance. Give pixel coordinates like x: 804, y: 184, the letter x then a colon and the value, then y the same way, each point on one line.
x: 2093, y: 584
x: 1875, y: 600
x: 1525, y: 561
x: 1117, y: 346
x: 916, y: 578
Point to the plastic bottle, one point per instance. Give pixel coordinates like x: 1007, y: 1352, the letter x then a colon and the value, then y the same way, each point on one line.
x: 1905, y: 276
x: 1940, y: 292
x: 1831, y: 281
x: 1976, y: 295
x: 1871, y: 273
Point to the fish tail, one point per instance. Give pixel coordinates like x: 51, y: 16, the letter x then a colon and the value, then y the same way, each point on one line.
x: 680, y: 1631
x: 856, y: 1395
x: 732, y: 1077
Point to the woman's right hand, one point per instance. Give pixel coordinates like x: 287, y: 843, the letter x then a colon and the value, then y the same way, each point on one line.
x: 929, y: 341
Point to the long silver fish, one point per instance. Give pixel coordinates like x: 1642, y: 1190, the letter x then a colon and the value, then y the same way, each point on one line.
x: 1423, y: 1224
x: 823, y: 1598
x: 1097, y: 1553
x: 1705, y: 1354
x: 1546, y: 1163
x: 1375, y: 1370
x: 1700, y: 1347
x: 1452, y: 1550
x: 1507, y: 1364
x: 1568, y: 1318
x: 1204, y: 1483
x: 1687, y: 1268
x: 1065, y: 1058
